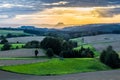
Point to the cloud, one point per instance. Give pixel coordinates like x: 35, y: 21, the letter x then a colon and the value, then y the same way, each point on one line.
x: 53, y: 11
x: 14, y: 5
x: 83, y: 3
x: 109, y: 11
x: 56, y: 3
x: 3, y: 16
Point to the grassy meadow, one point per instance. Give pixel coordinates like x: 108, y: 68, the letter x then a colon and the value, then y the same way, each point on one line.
x: 57, y: 67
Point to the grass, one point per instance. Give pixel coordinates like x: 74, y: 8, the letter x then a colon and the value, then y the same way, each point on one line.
x: 13, y: 46
x: 58, y: 67
x: 5, y: 32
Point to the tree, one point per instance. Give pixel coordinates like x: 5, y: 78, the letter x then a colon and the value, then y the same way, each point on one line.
x: 4, y: 40
x: 9, y: 35
x: 102, y: 56
x: 33, y: 44
x: 50, y: 53
x: 6, y: 46
x: 54, y: 43
x: 110, y: 58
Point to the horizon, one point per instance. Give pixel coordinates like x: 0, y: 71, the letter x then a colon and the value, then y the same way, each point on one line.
x: 50, y: 13
x: 51, y: 26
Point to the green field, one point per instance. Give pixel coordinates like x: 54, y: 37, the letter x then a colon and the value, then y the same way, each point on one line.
x: 13, y: 46
x: 5, y: 32
x: 56, y: 67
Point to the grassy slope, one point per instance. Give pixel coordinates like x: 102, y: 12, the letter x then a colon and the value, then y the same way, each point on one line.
x: 56, y: 66
x: 5, y: 32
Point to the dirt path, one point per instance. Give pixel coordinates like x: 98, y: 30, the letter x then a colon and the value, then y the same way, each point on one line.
x: 101, y: 75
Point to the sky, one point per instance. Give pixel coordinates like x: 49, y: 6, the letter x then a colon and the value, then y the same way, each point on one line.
x: 52, y: 12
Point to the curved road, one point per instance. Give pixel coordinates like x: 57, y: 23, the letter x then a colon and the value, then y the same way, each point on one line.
x: 101, y: 75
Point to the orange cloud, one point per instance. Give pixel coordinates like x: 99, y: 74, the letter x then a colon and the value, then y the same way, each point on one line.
x: 71, y: 15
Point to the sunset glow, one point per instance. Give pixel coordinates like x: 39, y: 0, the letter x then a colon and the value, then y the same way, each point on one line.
x: 61, y: 11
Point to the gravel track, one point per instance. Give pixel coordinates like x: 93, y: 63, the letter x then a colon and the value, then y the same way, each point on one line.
x: 101, y: 75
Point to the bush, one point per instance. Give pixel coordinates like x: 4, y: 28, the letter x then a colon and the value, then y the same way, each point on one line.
x: 50, y: 53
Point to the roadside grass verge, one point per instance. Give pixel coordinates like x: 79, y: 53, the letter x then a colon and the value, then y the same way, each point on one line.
x: 56, y: 66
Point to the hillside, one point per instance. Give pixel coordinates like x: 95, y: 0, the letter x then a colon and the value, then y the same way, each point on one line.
x: 94, y: 28
x: 56, y: 66
x: 101, y: 42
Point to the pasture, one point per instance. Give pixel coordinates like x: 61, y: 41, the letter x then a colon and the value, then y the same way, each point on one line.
x: 57, y: 67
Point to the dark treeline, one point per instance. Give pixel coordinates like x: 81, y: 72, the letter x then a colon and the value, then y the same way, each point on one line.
x: 65, y: 49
